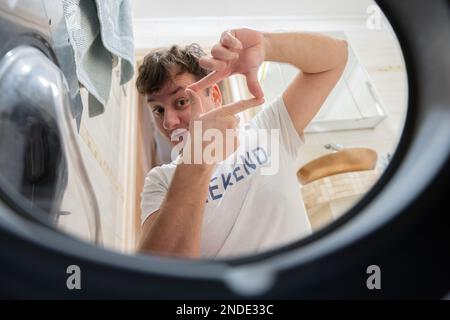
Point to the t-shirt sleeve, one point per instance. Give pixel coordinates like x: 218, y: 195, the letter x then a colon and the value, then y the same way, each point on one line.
x: 152, y: 196
x: 275, y: 116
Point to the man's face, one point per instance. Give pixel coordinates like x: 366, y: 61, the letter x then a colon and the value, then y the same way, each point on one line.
x: 170, y: 105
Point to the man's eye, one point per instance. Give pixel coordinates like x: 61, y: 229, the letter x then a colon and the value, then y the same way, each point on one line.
x: 182, y: 102
x: 158, y: 111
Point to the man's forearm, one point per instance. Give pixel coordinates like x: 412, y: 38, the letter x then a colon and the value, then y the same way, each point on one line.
x: 311, y: 53
x: 178, y: 224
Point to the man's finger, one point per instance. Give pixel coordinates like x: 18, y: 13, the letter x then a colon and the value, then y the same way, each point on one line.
x: 253, y: 84
x: 209, y: 80
x: 236, y: 107
x: 195, y: 103
x: 212, y: 64
x: 221, y: 53
x: 230, y: 41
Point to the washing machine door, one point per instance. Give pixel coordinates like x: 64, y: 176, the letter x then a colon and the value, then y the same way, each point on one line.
x: 37, y: 142
x: 399, y: 226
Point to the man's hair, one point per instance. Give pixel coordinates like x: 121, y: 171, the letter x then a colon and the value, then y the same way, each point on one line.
x: 156, y: 69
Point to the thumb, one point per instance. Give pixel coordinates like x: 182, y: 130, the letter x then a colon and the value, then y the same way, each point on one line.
x: 195, y: 103
x: 253, y: 84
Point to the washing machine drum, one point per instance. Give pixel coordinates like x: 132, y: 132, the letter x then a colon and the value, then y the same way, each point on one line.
x: 32, y: 163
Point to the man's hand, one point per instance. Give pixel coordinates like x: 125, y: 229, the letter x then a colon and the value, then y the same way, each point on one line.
x: 219, y: 119
x: 239, y: 51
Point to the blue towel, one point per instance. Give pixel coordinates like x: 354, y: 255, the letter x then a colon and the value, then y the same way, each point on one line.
x: 100, y: 32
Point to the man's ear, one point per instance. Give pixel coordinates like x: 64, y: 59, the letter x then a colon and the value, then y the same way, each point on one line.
x: 216, y: 95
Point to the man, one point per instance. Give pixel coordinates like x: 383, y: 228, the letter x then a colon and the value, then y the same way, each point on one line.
x: 225, y: 208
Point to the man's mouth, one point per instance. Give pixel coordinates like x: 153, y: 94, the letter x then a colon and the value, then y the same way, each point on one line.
x: 178, y: 135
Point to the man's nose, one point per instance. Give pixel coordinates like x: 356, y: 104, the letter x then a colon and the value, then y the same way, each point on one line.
x: 171, y: 120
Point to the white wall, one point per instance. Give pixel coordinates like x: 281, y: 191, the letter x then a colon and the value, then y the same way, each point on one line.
x: 203, y: 8
x: 199, y: 21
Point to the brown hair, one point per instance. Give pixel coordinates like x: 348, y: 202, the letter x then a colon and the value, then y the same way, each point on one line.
x: 156, y: 69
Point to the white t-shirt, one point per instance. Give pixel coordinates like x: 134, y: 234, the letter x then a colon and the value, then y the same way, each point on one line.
x: 253, y: 204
